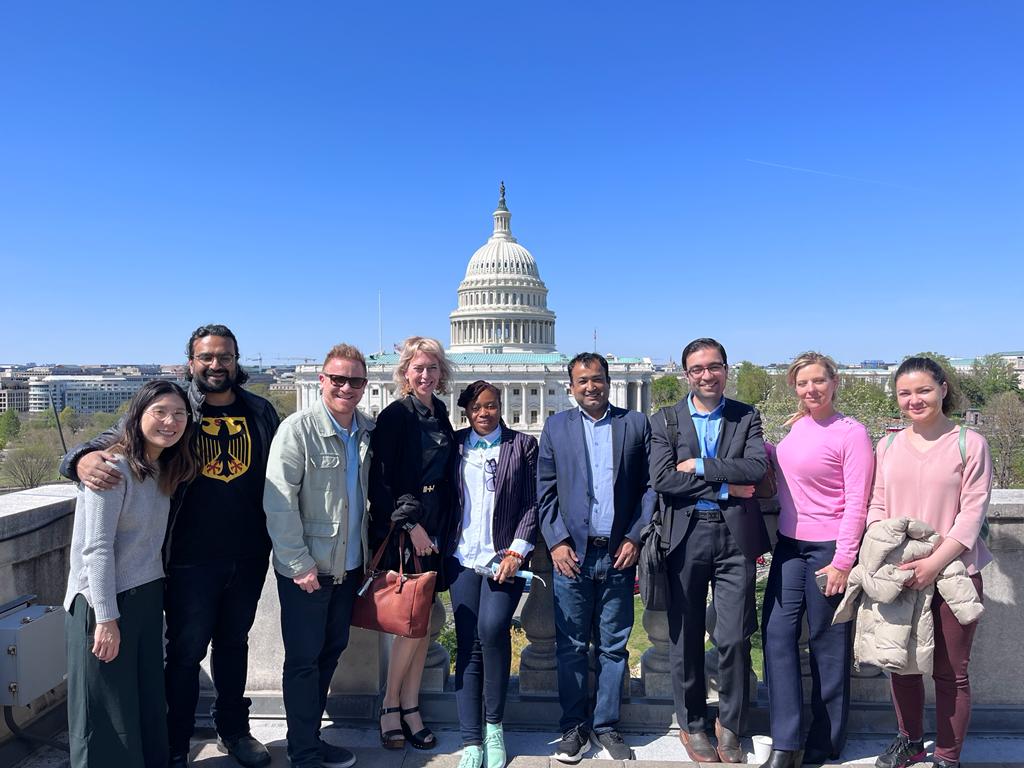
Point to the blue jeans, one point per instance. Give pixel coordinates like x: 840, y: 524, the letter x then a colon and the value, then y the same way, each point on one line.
x: 315, y: 629
x: 211, y: 603
x: 483, y: 611
x: 595, y: 605
x: 792, y: 592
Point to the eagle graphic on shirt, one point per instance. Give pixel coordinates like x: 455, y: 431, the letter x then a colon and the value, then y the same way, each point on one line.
x: 224, y: 447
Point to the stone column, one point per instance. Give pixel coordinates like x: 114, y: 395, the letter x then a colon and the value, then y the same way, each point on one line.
x: 537, y: 663
x: 655, y: 667
x: 435, y: 670
x: 504, y: 402
x: 542, y: 414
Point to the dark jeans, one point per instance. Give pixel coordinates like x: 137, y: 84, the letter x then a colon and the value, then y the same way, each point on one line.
x: 598, y: 605
x: 211, y: 603
x: 483, y: 611
x: 116, y: 711
x: 953, y: 643
x: 792, y: 592
x: 709, y: 555
x: 315, y: 629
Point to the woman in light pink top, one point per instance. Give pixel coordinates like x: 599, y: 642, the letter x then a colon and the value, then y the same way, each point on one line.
x: 823, y: 467
x: 921, y: 473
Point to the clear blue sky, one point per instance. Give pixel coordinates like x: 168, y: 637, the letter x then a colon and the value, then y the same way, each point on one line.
x: 783, y: 176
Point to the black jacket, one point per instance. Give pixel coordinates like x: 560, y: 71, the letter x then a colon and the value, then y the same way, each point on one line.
x: 264, y: 417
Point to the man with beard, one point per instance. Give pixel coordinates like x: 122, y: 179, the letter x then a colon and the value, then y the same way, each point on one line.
x: 216, y: 550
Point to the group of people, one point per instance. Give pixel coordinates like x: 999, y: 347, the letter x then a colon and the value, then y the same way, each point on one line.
x: 182, y: 502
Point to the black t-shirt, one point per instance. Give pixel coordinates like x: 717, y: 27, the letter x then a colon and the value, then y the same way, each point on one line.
x: 221, y: 517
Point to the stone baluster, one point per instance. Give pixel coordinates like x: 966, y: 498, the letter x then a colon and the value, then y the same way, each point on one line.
x: 438, y: 662
x: 655, y: 666
x: 537, y: 663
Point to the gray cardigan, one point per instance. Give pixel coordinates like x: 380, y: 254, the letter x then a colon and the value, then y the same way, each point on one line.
x: 116, y: 541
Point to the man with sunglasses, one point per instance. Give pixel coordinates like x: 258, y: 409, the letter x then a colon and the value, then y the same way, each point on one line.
x: 216, y: 549
x: 707, y: 453
x: 315, y: 497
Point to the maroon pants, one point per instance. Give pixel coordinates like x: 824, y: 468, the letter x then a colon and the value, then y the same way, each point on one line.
x: 952, y: 686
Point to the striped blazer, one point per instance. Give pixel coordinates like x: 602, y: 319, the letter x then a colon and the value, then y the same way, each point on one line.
x: 515, y: 495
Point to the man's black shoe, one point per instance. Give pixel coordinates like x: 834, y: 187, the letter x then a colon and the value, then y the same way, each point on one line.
x: 332, y: 756
x: 574, y: 744
x: 246, y: 750
x: 814, y: 756
x: 782, y: 758
x: 178, y: 761
x: 613, y: 744
x: 901, y: 753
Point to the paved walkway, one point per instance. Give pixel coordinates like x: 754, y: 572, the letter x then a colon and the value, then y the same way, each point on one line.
x: 531, y: 750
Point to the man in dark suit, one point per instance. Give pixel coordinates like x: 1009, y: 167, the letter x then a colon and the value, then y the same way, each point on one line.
x: 594, y: 498
x: 706, y: 477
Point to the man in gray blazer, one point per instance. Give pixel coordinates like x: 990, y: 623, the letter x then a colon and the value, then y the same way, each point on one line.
x: 594, y: 499
x: 707, y: 453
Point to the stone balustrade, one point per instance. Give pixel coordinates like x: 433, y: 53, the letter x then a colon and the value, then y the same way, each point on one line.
x: 35, y: 533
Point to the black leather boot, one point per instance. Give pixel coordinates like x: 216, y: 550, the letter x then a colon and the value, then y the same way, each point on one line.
x: 782, y: 758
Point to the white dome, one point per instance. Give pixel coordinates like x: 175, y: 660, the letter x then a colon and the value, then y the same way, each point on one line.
x: 502, y: 300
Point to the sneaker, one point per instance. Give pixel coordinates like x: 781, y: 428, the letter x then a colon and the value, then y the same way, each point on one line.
x: 494, y: 746
x: 575, y: 742
x: 613, y: 744
x: 472, y: 757
x: 901, y: 753
x: 940, y: 763
x: 333, y: 756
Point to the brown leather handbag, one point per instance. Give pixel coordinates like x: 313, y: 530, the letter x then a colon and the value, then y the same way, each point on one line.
x: 398, y: 603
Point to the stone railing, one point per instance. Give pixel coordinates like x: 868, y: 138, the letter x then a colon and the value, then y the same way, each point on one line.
x: 35, y: 531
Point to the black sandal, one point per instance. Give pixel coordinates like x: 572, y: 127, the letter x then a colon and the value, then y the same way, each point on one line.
x: 422, y: 739
x: 393, y: 739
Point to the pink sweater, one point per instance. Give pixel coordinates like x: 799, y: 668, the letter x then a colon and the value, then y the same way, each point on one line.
x: 935, y: 487
x: 824, y: 475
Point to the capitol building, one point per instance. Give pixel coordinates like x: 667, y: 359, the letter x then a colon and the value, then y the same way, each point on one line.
x: 502, y: 331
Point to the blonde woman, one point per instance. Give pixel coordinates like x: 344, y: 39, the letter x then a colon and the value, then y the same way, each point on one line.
x: 413, y: 450
x: 824, y: 466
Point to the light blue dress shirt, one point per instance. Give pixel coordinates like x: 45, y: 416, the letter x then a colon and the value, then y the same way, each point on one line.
x: 597, y: 435
x: 709, y: 427
x: 350, y: 439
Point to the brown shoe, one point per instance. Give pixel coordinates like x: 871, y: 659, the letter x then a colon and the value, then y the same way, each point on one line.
x: 698, y: 747
x: 728, y: 745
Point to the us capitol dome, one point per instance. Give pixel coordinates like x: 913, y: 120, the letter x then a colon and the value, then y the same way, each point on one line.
x: 503, y: 303
x: 503, y: 332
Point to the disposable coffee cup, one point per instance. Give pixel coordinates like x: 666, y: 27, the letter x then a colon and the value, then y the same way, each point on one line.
x: 762, y: 748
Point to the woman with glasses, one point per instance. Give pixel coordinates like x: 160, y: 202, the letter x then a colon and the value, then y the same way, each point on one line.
x: 117, y: 714
x: 410, y: 494
x: 495, y: 527
x: 823, y: 466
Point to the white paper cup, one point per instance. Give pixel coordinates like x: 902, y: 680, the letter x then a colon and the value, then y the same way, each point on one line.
x: 762, y: 748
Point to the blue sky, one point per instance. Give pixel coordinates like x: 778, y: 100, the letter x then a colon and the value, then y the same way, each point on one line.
x: 783, y: 176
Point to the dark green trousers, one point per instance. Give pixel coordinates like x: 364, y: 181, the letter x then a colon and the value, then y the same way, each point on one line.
x: 117, y: 712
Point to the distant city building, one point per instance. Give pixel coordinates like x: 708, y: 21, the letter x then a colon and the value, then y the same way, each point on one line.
x: 13, y: 395
x: 86, y: 394
x: 502, y: 331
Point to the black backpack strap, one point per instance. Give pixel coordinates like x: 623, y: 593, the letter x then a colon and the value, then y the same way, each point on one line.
x: 671, y: 425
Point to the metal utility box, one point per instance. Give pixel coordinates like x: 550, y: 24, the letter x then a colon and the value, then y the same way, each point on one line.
x: 33, y: 657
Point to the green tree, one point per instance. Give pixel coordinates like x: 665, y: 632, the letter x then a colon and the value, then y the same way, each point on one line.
x: 665, y: 390
x: 777, y: 408
x: 283, y: 402
x: 10, y: 425
x: 992, y: 375
x: 868, y: 403
x: 71, y: 419
x: 753, y: 383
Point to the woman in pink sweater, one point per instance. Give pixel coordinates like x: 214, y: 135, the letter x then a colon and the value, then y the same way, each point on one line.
x: 941, y: 474
x: 823, y: 467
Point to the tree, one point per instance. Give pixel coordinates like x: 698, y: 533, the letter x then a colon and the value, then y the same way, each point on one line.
x: 1002, y: 424
x: 665, y: 390
x: 10, y: 425
x: 32, y: 463
x: 753, y: 383
x: 868, y: 403
x: 71, y: 419
x: 992, y: 375
x: 777, y: 408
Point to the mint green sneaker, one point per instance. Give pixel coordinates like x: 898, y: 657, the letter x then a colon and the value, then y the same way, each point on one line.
x: 494, y: 745
x: 472, y: 757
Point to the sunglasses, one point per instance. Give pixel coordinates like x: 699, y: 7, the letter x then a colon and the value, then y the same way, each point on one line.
x: 356, y: 382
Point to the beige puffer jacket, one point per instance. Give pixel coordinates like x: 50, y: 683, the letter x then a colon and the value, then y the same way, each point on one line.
x: 895, y: 630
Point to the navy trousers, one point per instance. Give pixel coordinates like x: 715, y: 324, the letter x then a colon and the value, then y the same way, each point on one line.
x: 483, y: 611
x: 791, y: 593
